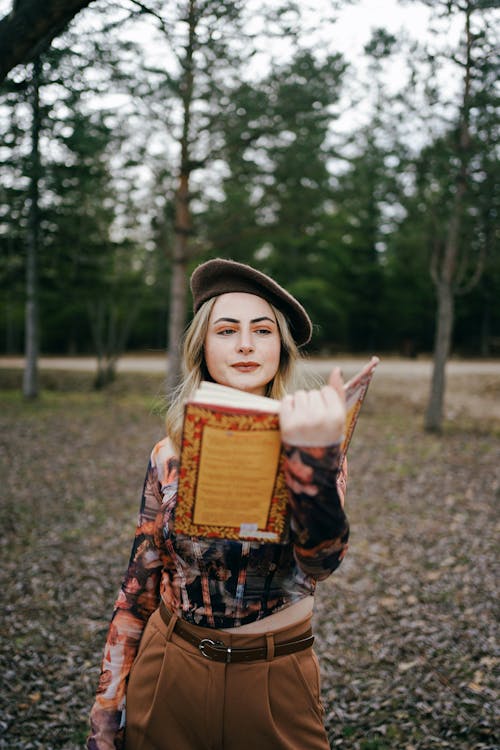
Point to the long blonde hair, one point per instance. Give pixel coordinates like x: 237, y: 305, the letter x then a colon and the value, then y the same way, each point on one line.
x: 195, y: 369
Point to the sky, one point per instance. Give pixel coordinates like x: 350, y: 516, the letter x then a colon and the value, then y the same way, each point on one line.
x: 355, y: 22
x: 353, y: 27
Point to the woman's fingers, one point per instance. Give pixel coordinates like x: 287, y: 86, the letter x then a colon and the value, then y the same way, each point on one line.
x: 315, y: 418
x: 336, y: 382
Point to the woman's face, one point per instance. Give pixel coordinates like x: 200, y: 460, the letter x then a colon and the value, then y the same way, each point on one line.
x: 243, y: 344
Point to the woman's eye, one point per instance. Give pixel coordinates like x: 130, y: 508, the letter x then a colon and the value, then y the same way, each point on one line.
x: 225, y: 332
x: 263, y: 331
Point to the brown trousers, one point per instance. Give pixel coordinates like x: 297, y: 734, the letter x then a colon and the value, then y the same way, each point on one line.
x: 177, y: 699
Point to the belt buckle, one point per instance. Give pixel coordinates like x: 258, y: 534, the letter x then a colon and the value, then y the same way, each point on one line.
x: 217, y: 645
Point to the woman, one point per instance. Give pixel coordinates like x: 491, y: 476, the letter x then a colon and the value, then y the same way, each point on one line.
x: 210, y: 640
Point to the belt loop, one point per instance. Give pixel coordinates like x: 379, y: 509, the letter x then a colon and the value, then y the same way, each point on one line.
x: 270, y: 646
x: 171, y: 626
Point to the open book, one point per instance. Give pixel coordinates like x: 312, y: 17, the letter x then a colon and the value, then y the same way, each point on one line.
x: 231, y: 480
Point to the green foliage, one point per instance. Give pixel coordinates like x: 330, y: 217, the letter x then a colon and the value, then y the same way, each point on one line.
x: 277, y: 190
x: 80, y: 264
x: 348, y: 222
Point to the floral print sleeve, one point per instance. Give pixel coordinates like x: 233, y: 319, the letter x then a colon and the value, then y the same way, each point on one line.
x: 137, y: 600
x: 316, y: 480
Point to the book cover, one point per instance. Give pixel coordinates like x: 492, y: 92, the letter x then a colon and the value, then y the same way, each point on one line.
x: 231, y: 479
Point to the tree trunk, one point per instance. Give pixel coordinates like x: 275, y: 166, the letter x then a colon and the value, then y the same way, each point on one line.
x: 484, y: 345
x: 183, y: 229
x: 444, y: 318
x: 107, y: 354
x: 110, y: 332
x: 444, y: 270
x: 31, y: 345
x: 442, y: 345
x: 177, y: 316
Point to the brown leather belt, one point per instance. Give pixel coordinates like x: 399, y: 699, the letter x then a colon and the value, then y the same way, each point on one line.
x: 218, y: 651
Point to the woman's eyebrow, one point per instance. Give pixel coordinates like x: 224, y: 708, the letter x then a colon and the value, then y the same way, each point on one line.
x: 235, y: 320
x: 264, y: 317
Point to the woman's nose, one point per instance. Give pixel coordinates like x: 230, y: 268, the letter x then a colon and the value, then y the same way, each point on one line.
x: 245, y: 344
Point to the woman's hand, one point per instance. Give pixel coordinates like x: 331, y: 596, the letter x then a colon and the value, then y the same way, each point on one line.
x: 315, y: 418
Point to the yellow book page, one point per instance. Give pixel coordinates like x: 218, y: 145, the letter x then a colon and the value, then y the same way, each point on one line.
x: 236, y: 477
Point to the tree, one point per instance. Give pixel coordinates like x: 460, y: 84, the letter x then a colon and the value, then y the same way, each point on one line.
x: 277, y: 184
x: 206, y: 41
x: 386, y: 271
x: 85, y: 263
x: 29, y: 28
x: 15, y: 121
x: 31, y: 345
x: 453, y: 270
x: 88, y: 271
x: 182, y: 220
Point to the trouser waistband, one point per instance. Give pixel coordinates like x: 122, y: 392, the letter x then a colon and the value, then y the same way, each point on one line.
x: 217, y: 650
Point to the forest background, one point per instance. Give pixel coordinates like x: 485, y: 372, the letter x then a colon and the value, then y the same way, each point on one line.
x: 152, y: 135
x: 168, y: 133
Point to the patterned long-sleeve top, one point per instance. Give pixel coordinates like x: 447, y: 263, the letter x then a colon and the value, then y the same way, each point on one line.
x: 213, y: 582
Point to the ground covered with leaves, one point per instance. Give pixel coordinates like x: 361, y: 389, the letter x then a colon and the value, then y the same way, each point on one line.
x: 407, y: 628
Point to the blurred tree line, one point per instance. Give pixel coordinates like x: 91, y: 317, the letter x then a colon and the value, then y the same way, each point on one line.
x: 168, y: 133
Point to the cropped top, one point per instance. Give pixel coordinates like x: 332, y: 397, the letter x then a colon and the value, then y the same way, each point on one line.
x: 213, y: 582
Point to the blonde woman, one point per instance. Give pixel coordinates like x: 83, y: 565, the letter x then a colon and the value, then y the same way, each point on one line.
x: 210, y: 643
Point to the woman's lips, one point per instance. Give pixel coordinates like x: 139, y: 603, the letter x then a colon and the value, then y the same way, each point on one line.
x: 245, y: 366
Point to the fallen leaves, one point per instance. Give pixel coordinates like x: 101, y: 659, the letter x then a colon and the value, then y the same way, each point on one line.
x: 407, y: 628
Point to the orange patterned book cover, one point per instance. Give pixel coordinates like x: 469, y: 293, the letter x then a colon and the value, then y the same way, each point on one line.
x: 355, y: 392
x: 231, y: 480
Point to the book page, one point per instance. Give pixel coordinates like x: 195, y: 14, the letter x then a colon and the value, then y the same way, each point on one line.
x: 223, y: 395
x: 236, y: 477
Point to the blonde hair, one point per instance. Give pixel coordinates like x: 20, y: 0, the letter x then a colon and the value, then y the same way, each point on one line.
x: 195, y: 369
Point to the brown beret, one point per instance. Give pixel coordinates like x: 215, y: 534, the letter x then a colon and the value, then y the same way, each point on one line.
x: 220, y: 276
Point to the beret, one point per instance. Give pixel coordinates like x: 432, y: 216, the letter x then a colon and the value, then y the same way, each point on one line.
x: 220, y: 276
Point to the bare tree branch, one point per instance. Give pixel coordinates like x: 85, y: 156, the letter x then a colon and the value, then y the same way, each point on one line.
x: 30, y: 27
x: 476, y: 275
x: 149, y: 11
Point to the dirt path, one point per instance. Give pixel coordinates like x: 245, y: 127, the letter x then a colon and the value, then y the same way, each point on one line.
x: 156, y: 363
